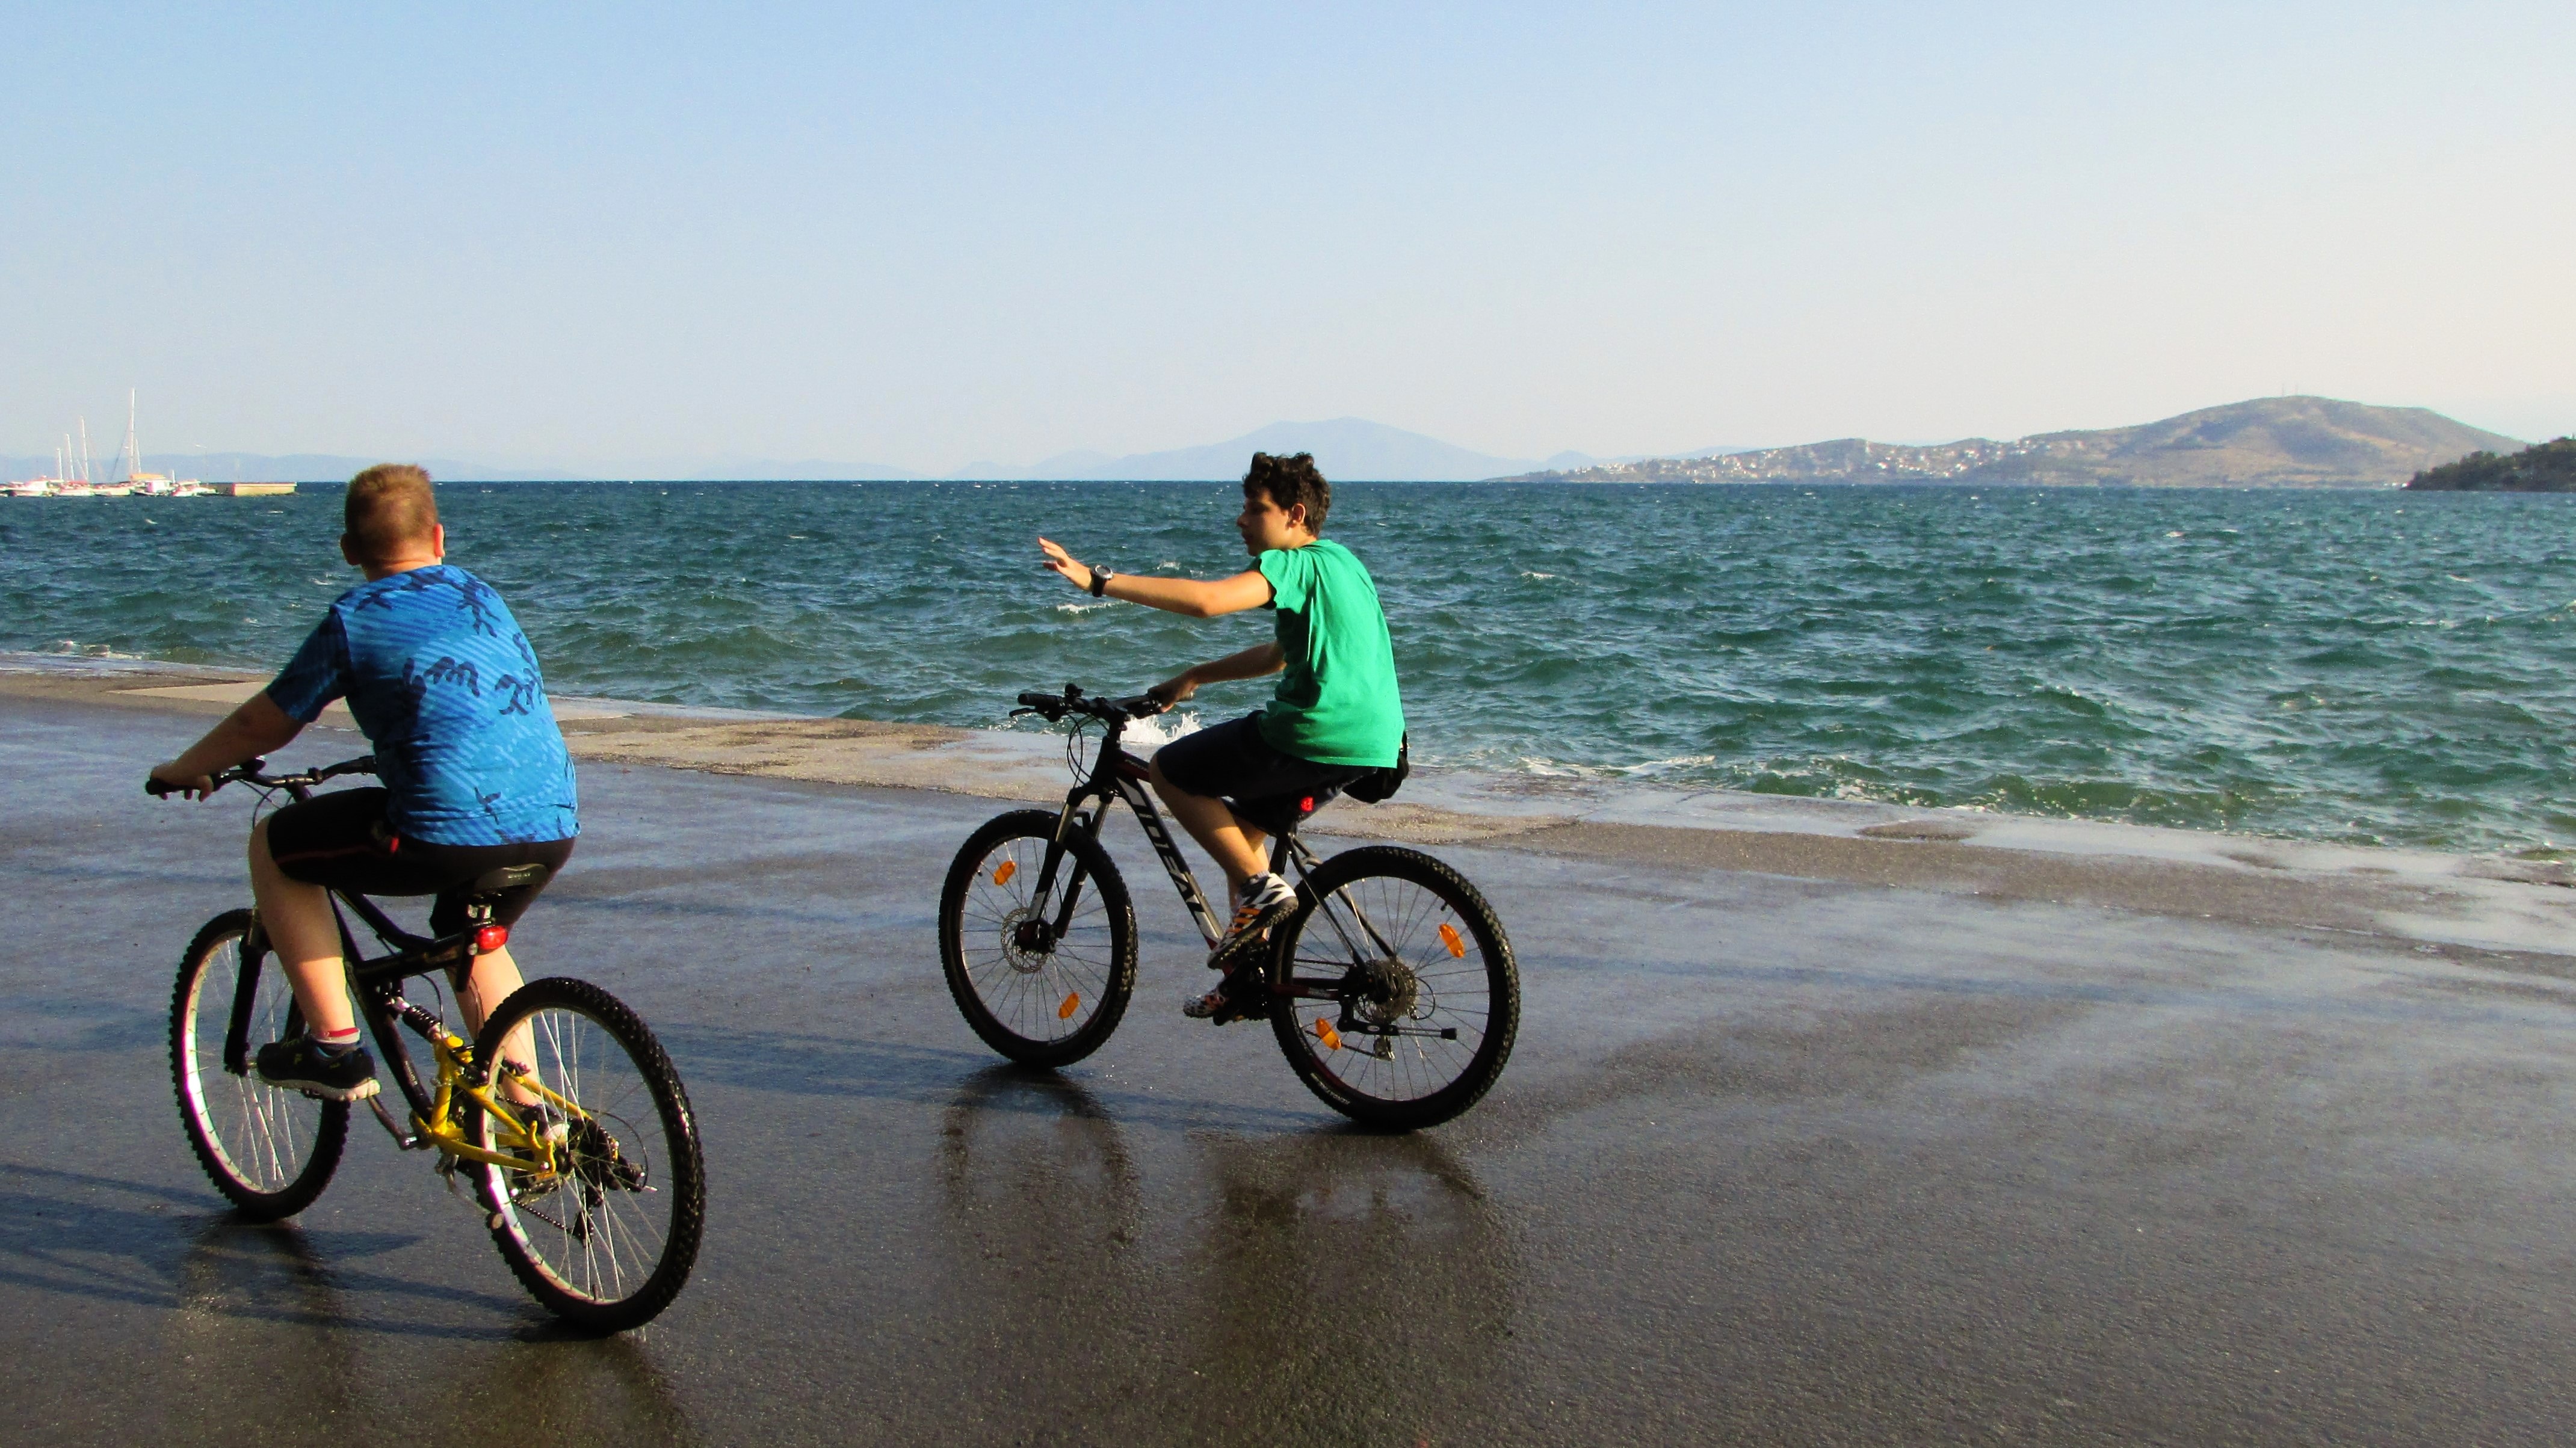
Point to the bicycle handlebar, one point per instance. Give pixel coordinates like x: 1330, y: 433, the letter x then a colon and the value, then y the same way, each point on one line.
x: 1073, y: 701
x: 249, y: 772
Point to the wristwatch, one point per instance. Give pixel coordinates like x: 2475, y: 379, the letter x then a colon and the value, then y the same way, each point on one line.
x: 1100, y: 579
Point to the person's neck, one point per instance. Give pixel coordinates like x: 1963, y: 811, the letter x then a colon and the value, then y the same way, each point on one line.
x: 388, y: 570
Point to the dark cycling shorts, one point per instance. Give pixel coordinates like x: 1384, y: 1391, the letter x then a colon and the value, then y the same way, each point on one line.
x: 1271, y: 791
x: 340, y: 841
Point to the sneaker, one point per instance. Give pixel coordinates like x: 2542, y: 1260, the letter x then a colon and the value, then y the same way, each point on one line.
x: 1237, y: 997
x: 302, y: 1065
x: 1267, y: 900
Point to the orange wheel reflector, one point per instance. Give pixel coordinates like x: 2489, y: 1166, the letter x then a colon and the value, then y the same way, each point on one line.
x: 1003, y: 875
x: 1065, y: 1012
x: 1449, y: 937
x: 1325, y: 1033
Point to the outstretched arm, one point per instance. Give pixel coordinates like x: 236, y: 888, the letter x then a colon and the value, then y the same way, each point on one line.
x: 1252, y: 663
x: 258, y: 727
x: 1193, y: 597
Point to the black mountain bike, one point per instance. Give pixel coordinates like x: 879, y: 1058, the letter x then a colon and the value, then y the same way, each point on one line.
x: 1391, y: 989
x: 563, y: 1114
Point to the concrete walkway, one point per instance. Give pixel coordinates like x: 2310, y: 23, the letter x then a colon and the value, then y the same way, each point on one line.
x: 1778, y: 1159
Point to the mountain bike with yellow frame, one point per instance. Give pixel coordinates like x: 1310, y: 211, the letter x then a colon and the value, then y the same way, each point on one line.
x: 563, y: 1117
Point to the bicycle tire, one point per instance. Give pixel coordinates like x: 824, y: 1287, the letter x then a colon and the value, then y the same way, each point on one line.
x: 566, y: 1239
x: 269, y: 1151
x: 1013, y: 991
x: 1376, y: 1085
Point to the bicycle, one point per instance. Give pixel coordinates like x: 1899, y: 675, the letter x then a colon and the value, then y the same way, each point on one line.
x: 1391, y: 988
x: 584, y: 1161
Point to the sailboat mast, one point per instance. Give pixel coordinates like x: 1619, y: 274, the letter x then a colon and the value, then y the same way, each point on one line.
x: 133, y: 449
x: 84, y: 431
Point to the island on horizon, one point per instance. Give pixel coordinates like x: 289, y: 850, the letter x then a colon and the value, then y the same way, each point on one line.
x: 2269, y: 442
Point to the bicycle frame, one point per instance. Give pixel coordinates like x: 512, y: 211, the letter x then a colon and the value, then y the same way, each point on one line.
x: 376, y: 989
x: 1121, y: 776
x: 1117, y: 774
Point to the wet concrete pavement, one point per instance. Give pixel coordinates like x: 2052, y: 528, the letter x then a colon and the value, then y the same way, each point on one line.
x: 1777, y: 1160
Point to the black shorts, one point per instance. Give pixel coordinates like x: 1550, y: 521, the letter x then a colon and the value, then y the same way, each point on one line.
x: 340, y: 841
x: 1271, y: 791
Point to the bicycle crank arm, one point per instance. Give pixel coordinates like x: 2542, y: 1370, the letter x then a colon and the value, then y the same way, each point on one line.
x: 406, y: 1140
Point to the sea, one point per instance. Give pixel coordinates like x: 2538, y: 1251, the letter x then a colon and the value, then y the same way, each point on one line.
x: 2371, y: 667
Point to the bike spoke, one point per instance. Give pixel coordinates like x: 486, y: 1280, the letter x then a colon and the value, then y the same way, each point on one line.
x: 1379, y: 929
x: 598, y: 1238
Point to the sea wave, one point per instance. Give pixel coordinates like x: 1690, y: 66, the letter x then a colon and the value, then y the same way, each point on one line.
x: 2311, y: 664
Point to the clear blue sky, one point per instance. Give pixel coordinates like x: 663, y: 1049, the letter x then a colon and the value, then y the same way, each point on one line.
x: 626, y: 236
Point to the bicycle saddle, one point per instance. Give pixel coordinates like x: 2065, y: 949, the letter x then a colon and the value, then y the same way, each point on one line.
x: 509, y: 877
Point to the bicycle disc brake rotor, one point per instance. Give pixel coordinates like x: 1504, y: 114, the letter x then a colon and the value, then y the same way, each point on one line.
x: 1027, y: 941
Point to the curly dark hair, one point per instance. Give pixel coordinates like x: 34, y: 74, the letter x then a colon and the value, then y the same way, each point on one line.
x: 1290, y: 481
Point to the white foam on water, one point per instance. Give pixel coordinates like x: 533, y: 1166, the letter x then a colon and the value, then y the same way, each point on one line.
x: 1161, y: 729
x: 74, y: 648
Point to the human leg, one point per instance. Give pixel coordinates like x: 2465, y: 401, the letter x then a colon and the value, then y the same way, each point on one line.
x: 493, y: 975
x: 1238, y: 849
x: 297, y: 919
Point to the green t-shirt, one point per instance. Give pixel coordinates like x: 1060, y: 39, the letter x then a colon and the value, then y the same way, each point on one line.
x: 1337, y: 704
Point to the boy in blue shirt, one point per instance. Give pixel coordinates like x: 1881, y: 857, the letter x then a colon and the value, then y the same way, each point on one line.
x: 476, y: 777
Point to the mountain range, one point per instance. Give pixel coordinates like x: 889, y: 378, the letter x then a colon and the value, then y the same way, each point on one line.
x: 2275, y: 442
x: 2268, y: 442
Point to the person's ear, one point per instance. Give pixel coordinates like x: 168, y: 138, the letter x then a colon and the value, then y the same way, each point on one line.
x: 438, y: 541
x: 348, y: 553
x: 1297, y: 517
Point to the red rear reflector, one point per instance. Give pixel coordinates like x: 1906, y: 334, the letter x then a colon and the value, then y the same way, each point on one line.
x: 491, y: 938
x: 1306, y: 805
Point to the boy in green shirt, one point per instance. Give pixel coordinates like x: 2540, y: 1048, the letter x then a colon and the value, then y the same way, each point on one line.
x: 1336, y: 714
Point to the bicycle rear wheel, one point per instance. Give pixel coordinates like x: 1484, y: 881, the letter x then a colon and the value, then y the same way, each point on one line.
x: 609, y: 1241
x: 1398, y: 998
x: 270, y: 1152
x: 1044, y: 982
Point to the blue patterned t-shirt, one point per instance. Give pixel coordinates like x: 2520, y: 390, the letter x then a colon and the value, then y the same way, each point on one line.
x: 444, y: 685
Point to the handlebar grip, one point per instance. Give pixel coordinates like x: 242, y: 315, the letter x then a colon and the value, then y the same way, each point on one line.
x: 158, y: 790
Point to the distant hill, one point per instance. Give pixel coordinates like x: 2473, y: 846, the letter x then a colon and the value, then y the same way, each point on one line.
x: 234, y: 467
x: 2549, y: 467
x: 2292, y: 442
x: 239, y: 467
x: 1348, y: 449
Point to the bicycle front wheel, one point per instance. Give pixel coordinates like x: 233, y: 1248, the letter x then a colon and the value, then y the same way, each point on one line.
x: 1397, y: 995
x: 608, y: 1241
x: 1043, y: 978
x: 270, y: 1152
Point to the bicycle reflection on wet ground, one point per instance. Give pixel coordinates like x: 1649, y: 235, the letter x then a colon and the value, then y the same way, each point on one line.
x: 1322, y: 1278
